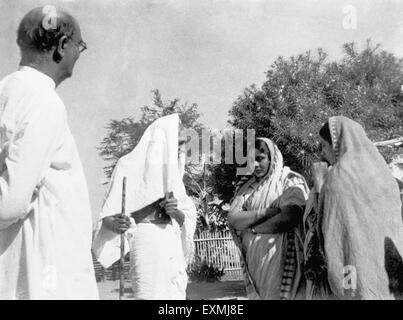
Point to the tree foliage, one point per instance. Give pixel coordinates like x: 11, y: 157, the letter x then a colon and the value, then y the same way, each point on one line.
x: 300, y: 93
x: 123, y: 135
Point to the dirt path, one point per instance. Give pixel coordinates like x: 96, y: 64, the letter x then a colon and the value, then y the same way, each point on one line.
x: 225, y: 290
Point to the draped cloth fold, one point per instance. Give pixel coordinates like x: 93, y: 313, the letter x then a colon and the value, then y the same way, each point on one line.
x: 271, y: 262
x: 159, y: 253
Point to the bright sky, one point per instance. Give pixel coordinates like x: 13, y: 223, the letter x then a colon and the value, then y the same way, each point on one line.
x: 200, y: 51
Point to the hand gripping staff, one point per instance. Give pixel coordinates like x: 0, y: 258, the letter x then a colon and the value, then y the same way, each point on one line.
x: 122, y: 245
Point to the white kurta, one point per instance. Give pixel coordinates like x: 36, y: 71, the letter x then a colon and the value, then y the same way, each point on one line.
x: 45, y: 216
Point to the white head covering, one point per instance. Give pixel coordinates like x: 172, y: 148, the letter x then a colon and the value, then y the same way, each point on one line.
x: 151, y: 170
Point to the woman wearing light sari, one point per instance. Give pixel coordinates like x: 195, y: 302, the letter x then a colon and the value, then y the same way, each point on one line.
x: 354, y: 226
x: 264, y: 218
x: 162, y: 228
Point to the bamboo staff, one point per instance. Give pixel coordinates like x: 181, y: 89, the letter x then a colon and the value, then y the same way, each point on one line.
x: 122, y: 245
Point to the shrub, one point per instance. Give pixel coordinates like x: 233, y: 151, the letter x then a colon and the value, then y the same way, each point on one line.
x: 201, y: 270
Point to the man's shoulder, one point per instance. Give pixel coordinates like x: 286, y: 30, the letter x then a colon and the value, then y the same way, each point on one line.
x: 19, y: 83
x: 30, y: 95
x: 12, y: 81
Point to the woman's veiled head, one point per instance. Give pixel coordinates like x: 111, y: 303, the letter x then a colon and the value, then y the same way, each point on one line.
x: 262, y: 159
x: 326, y: 145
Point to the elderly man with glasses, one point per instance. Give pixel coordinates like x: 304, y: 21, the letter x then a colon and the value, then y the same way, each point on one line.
x: 45, y: 217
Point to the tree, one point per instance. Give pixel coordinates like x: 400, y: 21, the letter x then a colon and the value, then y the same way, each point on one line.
x: 123, y: 135
x: 212, y: 211
x: 300, y: 93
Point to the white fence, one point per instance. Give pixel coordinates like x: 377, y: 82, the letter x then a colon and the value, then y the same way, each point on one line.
x: 219, y: 250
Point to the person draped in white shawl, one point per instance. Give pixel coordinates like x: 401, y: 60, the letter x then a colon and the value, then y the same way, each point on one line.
x: 161, y: 231
x: 45, y: 215
x: 265, y: 217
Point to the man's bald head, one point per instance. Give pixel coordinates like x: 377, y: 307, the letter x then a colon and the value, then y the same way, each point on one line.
x: 43, y: 27
x: 50, y: 41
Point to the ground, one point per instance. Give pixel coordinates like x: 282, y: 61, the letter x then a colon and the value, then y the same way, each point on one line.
x: 220, y: 290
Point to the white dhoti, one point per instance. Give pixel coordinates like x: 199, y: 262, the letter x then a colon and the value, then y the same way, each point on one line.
x: 158, y: 269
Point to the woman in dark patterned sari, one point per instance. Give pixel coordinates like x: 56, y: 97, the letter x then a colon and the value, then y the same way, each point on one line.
x: 265, y: 217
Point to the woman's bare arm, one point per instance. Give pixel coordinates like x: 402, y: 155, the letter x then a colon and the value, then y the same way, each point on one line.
x: 242, y: 220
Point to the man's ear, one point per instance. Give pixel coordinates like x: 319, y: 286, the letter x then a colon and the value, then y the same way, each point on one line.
x: 58, y: 54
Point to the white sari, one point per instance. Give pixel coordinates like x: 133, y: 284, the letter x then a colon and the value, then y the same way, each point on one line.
x: 271, y: 262
x: 354, y: 222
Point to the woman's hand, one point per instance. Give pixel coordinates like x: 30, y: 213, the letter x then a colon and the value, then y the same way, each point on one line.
x: 118, y: 223
x: 319, y: 172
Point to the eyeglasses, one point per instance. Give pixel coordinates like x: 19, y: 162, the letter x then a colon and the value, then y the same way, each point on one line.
x: 81, y: 45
